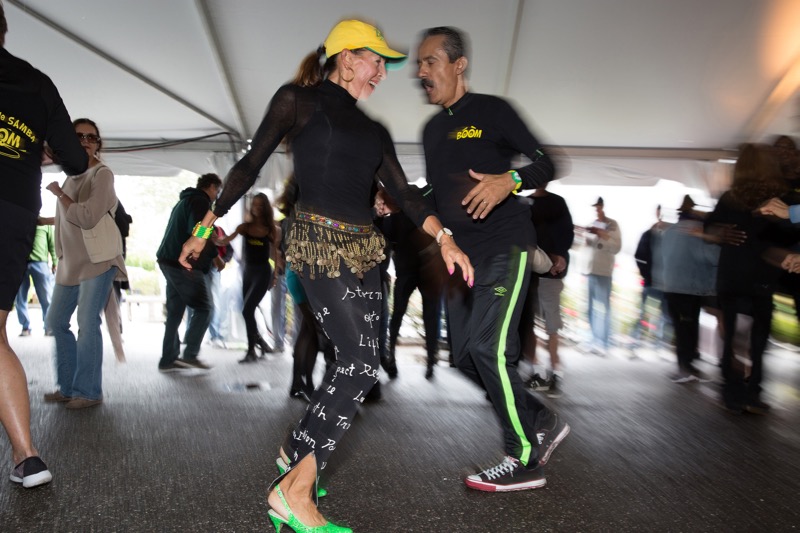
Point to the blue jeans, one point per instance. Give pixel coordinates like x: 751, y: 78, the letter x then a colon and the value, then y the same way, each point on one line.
x: 600, y: 296
x: 79, y: 363
x: 43, y: 283
x: 662, y: 320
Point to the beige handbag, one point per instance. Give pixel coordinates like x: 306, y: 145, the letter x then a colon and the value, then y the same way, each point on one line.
x: 103, y: 242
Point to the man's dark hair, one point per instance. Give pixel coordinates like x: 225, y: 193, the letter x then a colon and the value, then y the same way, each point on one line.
x: 3, y: 25
x: 455, y: 44
x: 207, y: 180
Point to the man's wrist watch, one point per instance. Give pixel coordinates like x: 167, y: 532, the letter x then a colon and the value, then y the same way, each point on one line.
x: 443, y: 231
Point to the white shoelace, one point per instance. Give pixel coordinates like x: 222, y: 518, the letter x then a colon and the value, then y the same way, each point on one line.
x: 506, y: 467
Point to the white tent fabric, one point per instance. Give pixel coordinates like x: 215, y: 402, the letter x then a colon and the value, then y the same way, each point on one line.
x: 605, y: 74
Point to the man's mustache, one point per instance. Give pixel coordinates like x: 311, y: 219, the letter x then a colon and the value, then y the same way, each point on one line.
x: 425, y: 82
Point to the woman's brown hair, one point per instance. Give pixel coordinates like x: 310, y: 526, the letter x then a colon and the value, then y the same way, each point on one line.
x: 267, y: 217
x: 757, y: 176
x: 311, y: 71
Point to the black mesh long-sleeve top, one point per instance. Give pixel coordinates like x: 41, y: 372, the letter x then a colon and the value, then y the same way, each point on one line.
x: 338, y: 153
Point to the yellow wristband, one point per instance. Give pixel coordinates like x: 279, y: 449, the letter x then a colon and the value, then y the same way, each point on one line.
x: 202, y: 231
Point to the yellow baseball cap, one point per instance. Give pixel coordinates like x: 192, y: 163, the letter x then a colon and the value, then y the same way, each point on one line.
x: 354, y: 34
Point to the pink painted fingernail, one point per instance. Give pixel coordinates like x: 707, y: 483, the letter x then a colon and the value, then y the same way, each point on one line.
x: 451, y: 270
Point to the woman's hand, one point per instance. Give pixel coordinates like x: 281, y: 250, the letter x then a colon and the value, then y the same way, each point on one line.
x: 792, y: 263
x: 453, y: 256
x: 194, y: 246
x: 55, y: 188
x: 775, y: 207
x: 191, y: 251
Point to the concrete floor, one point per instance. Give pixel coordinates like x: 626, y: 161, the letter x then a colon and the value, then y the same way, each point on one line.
x: 196, y: 453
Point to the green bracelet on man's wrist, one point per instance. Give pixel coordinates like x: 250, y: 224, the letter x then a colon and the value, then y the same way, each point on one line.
x: 517, y: 179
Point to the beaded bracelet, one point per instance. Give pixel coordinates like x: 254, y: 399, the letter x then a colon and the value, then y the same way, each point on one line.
x: 202, y: 231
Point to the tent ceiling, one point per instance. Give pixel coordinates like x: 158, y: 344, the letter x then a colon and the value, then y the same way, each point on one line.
x: 606, y: 74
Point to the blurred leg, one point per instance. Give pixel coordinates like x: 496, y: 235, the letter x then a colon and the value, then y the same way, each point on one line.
x: 605, y: 298
x: 92, y: 298
x: 42, y: 283
x: 65, y: 300
x: 21, y: 302
x: 14, y: 403
x: 175, y: 307
x: 114, y: 325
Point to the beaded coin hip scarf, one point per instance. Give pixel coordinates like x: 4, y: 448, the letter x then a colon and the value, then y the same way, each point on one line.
x: 324, y: 244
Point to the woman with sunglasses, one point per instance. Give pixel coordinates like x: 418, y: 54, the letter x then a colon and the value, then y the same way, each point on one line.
x: 89, y: 250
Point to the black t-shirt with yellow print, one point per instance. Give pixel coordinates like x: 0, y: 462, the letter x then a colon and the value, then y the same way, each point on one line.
x: 482, y: 133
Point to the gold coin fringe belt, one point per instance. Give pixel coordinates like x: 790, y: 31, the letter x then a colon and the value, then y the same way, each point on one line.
x: 324, y: 244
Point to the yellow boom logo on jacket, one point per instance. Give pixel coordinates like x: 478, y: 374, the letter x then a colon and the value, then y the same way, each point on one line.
x: 470, y: 132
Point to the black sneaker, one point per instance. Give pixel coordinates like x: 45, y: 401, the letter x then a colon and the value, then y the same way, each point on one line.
x: 757, y: 407
x: 681, y: 378
x: 175, y: 366
x: 193, y: 363
x: 551, y: 437
x: 538, y: 383
x: 31, y: 472
x: 374, y: 394
x: 555, y: 387
x: 389, y: 365
x: 507, y: 476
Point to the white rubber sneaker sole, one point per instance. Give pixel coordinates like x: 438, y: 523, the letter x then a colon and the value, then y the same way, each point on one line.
x: 35, y: 480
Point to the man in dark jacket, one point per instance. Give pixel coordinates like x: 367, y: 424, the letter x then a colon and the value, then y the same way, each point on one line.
x: 31, y: 113
x: 418, y: 265
x: 469, y: 145
x: 555, y: 233
x: 647, y: 255
x: 187, y: 288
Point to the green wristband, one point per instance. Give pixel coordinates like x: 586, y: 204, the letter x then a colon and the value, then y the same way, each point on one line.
x: 517, y: 179
x: 202, y: 231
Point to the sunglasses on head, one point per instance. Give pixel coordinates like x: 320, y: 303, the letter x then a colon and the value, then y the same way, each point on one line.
x: 90, y: 137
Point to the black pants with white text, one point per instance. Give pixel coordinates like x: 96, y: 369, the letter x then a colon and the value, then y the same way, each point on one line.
x: 348, y: 310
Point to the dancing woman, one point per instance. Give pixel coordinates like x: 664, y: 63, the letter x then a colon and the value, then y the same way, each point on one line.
x: 332, y: 244
x: 260, y: 244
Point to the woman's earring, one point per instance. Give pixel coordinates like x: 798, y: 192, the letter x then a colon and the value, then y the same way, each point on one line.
x: 351, y: 77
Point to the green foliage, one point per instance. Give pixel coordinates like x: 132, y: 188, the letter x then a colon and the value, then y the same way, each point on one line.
x: 784, y: 321
x: 145, y: 261
x: 143, y: 281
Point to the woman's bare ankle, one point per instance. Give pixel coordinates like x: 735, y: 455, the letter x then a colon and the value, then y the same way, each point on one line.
x: 299, y: 502
x: 20, y: 455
